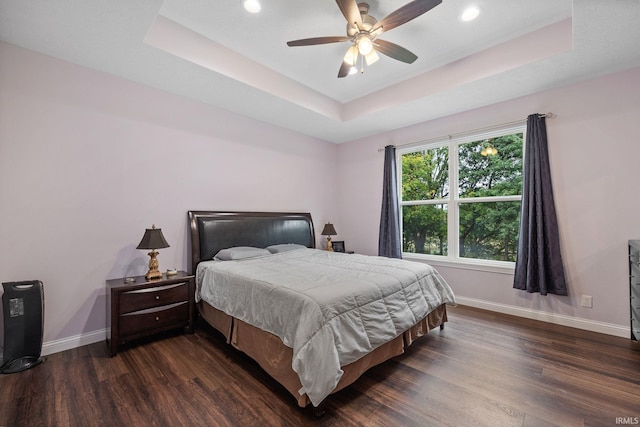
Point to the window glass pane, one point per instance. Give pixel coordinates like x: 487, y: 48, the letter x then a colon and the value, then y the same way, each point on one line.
x: 489, y: 230
x: 491, y: 167
x: 425, y: 174
x: 424, y: 229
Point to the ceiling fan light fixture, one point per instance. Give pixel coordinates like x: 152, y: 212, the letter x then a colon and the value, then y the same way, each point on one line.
x: 365, y: 45
x: 372, y: 57
x: 351, y: 57
x: 363, y: 29
x: 252, y: 6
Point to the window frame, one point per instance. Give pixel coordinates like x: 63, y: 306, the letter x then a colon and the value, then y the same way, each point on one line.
x: 453, y: 142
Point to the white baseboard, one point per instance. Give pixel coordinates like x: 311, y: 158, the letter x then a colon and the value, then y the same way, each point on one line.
x: 69, y: 343
x: 557, y: 319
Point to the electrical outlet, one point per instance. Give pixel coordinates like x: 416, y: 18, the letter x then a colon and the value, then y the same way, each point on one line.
x: 587, y: 301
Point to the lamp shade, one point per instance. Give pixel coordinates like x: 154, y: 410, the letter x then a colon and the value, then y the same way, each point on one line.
x: 351, y: 57
x: 153, y: 239
x: 365, y: 45
x: 328, y: 230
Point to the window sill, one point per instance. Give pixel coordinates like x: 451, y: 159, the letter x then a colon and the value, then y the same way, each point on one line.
x: 500, y: 267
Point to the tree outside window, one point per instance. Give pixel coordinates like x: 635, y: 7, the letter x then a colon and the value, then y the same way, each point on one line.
x: 462, y: 199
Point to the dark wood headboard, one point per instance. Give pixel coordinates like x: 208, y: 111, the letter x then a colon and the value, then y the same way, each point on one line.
x: 212, y: 231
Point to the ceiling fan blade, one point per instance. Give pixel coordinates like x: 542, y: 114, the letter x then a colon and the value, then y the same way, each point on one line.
x: 344, y: 70
x: 349, y: 9
x: 394, y: 51
x: 317, y: 40
x: 404, y: 14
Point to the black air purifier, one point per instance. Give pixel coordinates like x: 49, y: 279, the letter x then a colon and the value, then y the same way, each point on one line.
x: 23, y: 307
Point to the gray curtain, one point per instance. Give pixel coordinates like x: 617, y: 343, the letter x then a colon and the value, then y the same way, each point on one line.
x: 389, y: 244
x: 539, y: 265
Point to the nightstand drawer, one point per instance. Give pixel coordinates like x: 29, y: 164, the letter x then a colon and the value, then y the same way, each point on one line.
x: 153, y: 297
x: 159, y: 318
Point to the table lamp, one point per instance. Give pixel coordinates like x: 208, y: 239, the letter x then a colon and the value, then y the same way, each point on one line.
x: 329, y: 230
x: 153, y: 239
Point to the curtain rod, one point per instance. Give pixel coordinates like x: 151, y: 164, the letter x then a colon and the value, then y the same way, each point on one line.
x: 455, y: 135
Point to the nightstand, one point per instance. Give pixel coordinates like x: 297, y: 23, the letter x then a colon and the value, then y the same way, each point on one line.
x: 145, y: 307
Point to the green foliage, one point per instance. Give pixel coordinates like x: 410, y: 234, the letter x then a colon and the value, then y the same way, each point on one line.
x: 425, y: 176
x: 488, y: 230
x: 425, y: 229
x: 491, y: 175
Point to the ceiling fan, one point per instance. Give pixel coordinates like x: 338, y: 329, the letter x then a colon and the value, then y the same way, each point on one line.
x: 363, y: 31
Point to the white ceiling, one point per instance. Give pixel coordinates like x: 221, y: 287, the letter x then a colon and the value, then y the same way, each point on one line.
x: 215, y: 52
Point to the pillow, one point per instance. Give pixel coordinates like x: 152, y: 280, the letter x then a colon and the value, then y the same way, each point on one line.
x: 274, y: 249
x: 240, y: 252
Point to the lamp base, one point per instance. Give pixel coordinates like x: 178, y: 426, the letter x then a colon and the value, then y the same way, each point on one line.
x: 153, y: 275
x: 153, y: 272
x: 329, y: 245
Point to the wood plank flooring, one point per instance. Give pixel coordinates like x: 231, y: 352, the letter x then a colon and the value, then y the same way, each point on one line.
x: 483, y: 369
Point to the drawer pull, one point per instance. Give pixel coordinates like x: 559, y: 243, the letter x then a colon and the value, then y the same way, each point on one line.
x: 157, y: 318
x: 157, y: 297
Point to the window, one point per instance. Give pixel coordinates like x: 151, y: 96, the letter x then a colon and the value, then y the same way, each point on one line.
x: 460, y: 199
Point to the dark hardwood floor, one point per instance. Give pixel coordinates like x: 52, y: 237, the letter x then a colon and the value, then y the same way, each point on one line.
x: 483, y: 369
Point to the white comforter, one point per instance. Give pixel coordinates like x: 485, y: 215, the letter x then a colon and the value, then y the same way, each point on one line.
x: 330, y: 308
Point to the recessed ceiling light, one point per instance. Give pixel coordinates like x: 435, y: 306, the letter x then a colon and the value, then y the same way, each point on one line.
x: 470, y: 13
x: 252, y: 6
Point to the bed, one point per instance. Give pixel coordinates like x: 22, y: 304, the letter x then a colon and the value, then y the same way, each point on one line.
x: 314, y: 320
